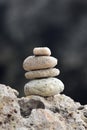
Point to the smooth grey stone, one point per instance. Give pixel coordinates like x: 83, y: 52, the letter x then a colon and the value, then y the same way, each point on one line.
x: 39, y: 62
x: 44, y: 87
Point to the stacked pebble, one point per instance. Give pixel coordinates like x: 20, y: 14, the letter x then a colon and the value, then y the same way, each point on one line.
x: 41, y: 73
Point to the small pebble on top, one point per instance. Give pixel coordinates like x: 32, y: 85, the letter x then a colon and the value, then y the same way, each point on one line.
x: 41, y: 51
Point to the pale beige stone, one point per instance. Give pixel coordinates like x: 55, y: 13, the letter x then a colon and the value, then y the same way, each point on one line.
x: 58, y: 112
x: 39, y: 62
x: 44, y: 87
x: 42, y: 73
x: 42, y: 51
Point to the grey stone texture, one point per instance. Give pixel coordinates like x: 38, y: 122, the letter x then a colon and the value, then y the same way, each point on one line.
x: 42, y: 73
x: 39, y: 62
x: 44, y: 87
x: 58, y: 112
x: 42, y: 51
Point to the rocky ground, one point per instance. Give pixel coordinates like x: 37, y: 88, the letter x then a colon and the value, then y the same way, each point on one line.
x: 58, y: 112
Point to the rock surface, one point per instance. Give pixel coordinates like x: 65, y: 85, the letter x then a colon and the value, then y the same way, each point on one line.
x: 57, y: 112
x: 42, y: 51
x: 39, y: 62
x: 44, y: 87
x: 42, y: 73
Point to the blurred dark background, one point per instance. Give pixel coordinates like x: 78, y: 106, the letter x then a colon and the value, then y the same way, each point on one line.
x: 60, y: 25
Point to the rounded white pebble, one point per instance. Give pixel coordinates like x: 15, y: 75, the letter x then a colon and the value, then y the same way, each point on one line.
x: 39, y: 62
x: 42, y: 51
x: 42, y: 73
x: 44, y: 87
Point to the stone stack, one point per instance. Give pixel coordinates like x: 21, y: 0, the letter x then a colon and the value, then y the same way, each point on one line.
x: 41, y: 73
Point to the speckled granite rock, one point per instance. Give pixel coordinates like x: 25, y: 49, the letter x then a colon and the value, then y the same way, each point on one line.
x: 44, y: 87
x: 57, y: 112
x: 42, y: 73
x: 9, y: 109
x: 39, y: 62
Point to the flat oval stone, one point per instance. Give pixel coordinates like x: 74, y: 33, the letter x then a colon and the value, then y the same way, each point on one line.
x: 42, y: 73
x: 39, y: 62
x: 44, y: 87
x: 42, y: 51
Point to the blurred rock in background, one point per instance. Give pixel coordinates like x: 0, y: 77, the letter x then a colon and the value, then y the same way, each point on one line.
x: 61, y: 25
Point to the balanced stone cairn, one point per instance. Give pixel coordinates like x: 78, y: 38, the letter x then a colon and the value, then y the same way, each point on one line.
x: 41, y: 72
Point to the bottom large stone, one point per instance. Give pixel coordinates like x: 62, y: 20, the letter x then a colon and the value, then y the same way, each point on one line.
x: 44, y: 87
